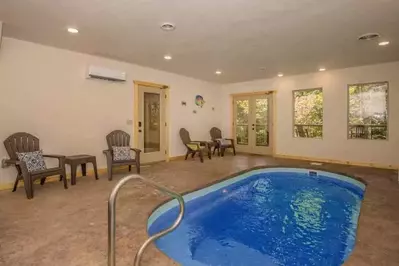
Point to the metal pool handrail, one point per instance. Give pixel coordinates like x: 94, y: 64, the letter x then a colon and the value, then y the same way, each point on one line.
x: 112, y: 213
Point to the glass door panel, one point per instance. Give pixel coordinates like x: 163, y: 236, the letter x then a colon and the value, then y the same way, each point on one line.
x: 152, y: 122
x: 242, y: 121
x: 261, y: 122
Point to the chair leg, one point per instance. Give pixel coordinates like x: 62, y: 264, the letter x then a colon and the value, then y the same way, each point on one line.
x: 95, y: 169
x: 193, y: 154
x: 109, y: 170
x: 64, y: 178
x: 214, y: 150
x: 210, y: 154
x: 15, y: 184
x: 130, y: 168
x: 42, y: 180
x: 223, y: 149
x: 138, y: 166
x: 187, y: 153
x: 28, y: 187
x: 201, y: 156
x: 234, y: 150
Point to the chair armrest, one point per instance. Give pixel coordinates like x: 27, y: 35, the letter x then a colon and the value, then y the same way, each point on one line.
x: 53, y: 156
x: 20, y: 164
x: 230, y: 139
x: 107, y: 152
x: 196, y: 143
x: 201, y: 142
x: 8, y: 162
x: 61, y: 159
x: 135, y: 150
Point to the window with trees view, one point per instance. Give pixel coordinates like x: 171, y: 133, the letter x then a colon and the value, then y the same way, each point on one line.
x: 368, y: 111
x: 308, y: 113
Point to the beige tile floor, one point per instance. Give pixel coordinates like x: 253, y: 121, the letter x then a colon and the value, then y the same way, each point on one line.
x: 69, y: 227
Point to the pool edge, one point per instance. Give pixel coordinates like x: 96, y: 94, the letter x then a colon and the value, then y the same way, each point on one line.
x: 243, y: 172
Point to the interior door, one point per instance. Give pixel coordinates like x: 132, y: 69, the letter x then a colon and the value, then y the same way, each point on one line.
x: 253, y: 123
x: 151, y: 124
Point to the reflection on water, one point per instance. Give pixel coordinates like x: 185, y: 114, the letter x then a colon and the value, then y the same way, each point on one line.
x: 307, y: 208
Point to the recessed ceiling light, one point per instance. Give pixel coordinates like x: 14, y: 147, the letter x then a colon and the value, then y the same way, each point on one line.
x: 368, y: 36
x: 168, y: 26
x: 218, y: 72
x: 322, y: 69
x: 383, y: 43
x: 280, y: 75
x: 73, y: 30
x: 167, y: 57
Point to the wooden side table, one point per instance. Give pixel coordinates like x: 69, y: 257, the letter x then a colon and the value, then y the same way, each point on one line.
x: 81, y: 160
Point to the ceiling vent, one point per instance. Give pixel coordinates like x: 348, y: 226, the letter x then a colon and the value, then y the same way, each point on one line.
x: 168, y: 26
x: 95, y: 72
x: 368, y: 36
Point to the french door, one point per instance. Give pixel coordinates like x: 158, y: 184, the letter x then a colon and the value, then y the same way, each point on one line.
x: 151, y: 124
x: 252, y: 123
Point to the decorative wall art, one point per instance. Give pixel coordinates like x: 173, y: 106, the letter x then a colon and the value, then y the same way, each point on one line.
x: 183, y: 103
x: 199, y: 101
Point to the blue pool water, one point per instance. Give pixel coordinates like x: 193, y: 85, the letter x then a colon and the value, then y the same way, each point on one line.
x: 277, y: 216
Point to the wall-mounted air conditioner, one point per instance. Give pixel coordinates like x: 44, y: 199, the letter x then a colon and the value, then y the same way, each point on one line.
x: 96, y: 72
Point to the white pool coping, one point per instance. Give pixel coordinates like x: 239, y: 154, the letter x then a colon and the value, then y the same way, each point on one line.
x: 201, y: 192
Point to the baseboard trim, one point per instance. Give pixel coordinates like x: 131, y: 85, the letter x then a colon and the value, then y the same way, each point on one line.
x: 373, y: 165
x: 176, y: 158
x: 89, y: 172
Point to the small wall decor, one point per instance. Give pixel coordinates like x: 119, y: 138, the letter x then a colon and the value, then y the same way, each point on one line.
x: 199, y: 101
x: 194, y: 111
x: 213, y: 108
x: 183, y: 103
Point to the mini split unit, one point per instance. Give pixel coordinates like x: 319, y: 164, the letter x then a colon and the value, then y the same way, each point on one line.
x: 95, y: 72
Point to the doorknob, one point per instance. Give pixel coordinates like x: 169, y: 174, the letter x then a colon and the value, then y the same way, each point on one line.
x: 139, y: 130
x: 139, y: 123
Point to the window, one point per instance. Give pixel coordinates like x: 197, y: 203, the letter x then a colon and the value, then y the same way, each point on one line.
x: 368, y: 111
x: 308, y: 113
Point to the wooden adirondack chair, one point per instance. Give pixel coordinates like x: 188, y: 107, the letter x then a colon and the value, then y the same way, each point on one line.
x: 120, y: 138
x: 194, y: 147
x: 25, y: 142
x: 216, y: 135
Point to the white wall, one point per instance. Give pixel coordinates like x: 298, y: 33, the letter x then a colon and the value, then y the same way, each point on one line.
x: 334, y: 144
x: 44, y: 92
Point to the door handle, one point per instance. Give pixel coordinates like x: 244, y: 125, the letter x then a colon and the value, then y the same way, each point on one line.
x: 139, y: 123
x: 139, y: 130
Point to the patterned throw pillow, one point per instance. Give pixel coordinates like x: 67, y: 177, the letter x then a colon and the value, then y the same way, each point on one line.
x: 34, y: 160
x: 121, y: 153
x: 224, y: 142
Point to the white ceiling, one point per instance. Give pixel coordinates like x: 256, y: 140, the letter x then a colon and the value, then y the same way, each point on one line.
x: 237, y: 36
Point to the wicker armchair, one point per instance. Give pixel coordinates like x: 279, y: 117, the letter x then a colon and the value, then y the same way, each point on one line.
x: 120, y: 138
x: 25, y: 142
x: 216, y: 135
x: 194, y: 147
